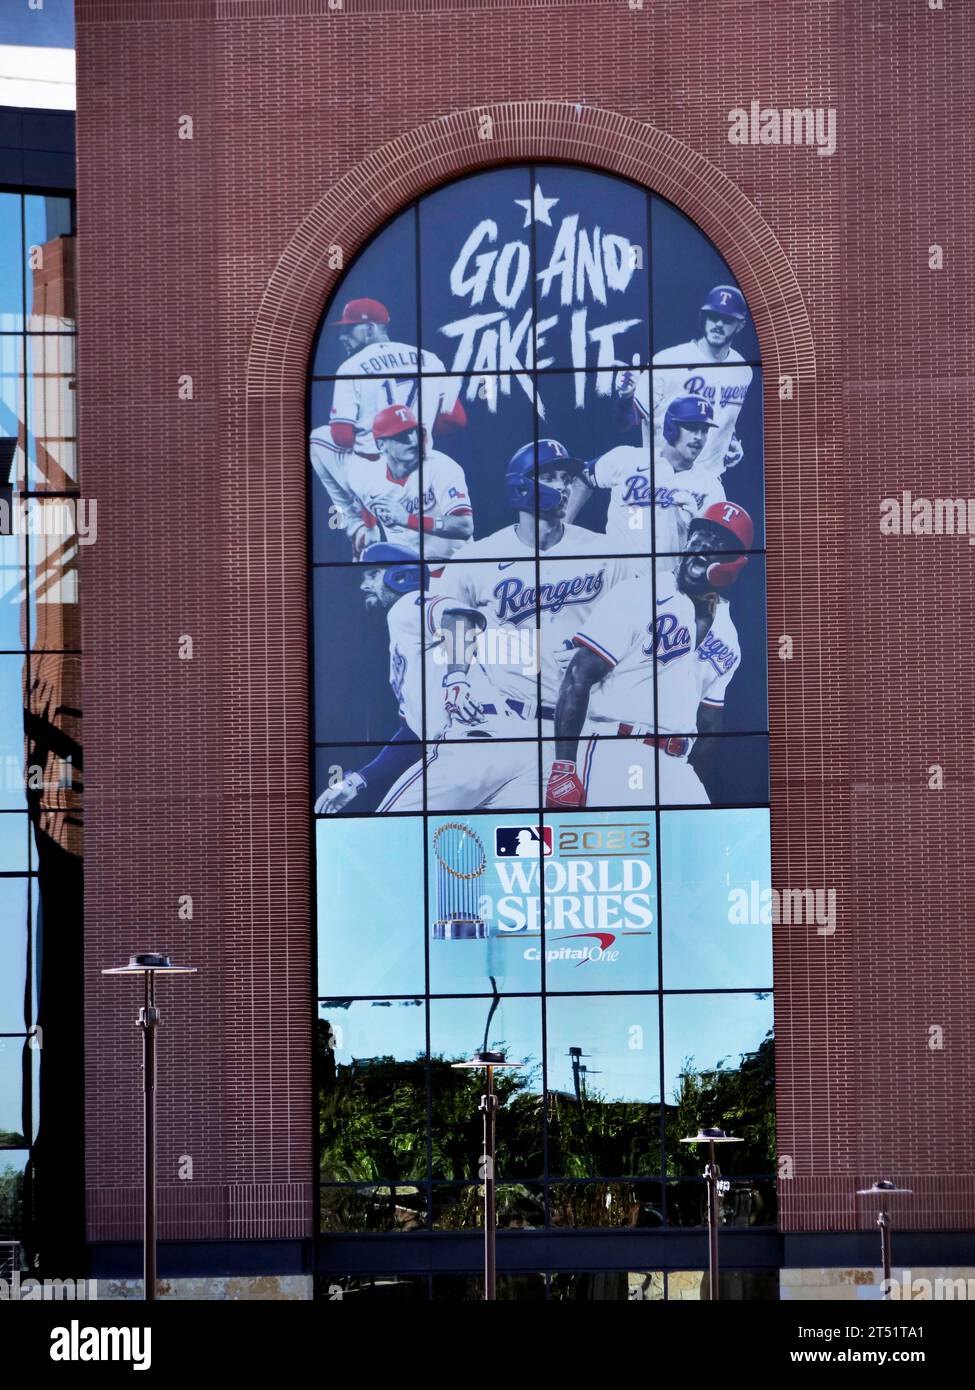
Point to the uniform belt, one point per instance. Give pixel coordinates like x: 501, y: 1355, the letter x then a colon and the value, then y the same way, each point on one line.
x: 676, y: 745
x: 524, y: 709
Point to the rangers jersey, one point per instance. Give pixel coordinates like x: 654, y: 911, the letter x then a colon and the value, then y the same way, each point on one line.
x: 634, y: 489
x: 695, y: 373
x: 524, y: 605
x: 385, y: 374
x: 687, y: 675
x: 415, y: 634
x: 444, y: 494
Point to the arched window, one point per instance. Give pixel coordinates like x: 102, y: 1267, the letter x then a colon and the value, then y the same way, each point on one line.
x: 540, y: 716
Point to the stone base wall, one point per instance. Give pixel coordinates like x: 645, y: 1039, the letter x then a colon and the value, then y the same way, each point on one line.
x: 266, y: 1287
x: 863, y: 1284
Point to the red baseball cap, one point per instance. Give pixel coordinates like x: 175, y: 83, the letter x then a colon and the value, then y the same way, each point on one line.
x: 363, y: 311
x: 395, y: 419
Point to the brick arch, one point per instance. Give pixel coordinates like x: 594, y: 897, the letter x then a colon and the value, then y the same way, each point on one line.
x: 424, y: 158
x: 266, y: 511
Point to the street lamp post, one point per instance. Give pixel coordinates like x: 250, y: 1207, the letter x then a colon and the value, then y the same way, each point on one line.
x: 883, y: 1188
x: 488, y: 1108
x: 149, y: 964
x: 712, y: 1177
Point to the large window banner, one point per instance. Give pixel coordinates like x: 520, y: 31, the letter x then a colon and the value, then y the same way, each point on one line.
x: 539, y: 645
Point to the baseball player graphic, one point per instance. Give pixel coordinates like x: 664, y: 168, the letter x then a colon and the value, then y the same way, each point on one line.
x: 378, y: 372
x: 706, y: 366
x: 607, y: 699
x: 502, y: 680
x: 388, y: 489
x: 678, y: 488
x: 394, y: 585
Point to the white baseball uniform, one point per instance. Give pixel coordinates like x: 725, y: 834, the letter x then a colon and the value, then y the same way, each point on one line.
x: 444, y: 494
x: 723, y: 384
x: 677, y: 497
x: 469, y: 768
x: 623, y: 702
x: 377, y: 376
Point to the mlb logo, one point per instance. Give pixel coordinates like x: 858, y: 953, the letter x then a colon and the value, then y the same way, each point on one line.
x: 522, y: 841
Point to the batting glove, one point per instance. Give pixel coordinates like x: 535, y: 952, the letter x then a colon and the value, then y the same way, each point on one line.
x: 459, y: 703
x: 625, y: 384
x: 564, y: 787
x: 339, y: 796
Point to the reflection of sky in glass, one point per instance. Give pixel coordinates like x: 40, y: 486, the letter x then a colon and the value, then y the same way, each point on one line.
x: 710, y: 1028
x: 11, y: 1062
x: 457, y: 1029
x: 618, y: 1037
x: 380, y: 1028
x: 370, y: 906
x: 13, y: 842
x: 11, y: 590
x: 13, y: 953
x: 704, y: 857
x: 12, y: 790
x: 10, y: 262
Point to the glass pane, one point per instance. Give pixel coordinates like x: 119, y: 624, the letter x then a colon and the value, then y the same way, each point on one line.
x: 592, y: 282
x: 600, y: 1205
x: 484, y: 903
x: 715, y: 771
x: 519, y: 1207
x: 459, y: 1027
x: 50, y: 281
x: 368, y: 662
x: 692, y: 1285
x: 712, y: 672
x: 13, y: 842
x: 373, y: 1209
x: 600, y: 902
x: 14, y: 1005
x: 12, y: 1053
x: 742, y: 1202
x: 51, y: 394
x: 719, y: 1070
x: 371, y: 1065
x: 469, y: 1288
x: 377, y: 298
x: 618, y: 1286
x: 54, y: 755
x: 12, y: 413
x: 480, y: 424
x: 370, y: 906
x: 11, y: 261
x: 13, y: 792
x: 688, y: 273
x: 13, y: 608
x: 717, y: 900
x: 57, y: 528
x: 13, y: 1165
x: 475, y: 273
x: 603, y: 1085
x: 356, y: 1289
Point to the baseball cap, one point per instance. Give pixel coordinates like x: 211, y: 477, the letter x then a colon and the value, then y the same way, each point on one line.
x: 395, y: 419
x: 727, y: 300
x: 362, y: 311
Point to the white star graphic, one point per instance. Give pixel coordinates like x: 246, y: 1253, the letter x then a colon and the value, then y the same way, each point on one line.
x: 540, y: 209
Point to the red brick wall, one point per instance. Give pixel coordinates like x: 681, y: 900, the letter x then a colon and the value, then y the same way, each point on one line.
x: 206, y: 256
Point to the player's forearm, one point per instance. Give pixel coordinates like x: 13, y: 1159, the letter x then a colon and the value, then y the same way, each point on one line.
x: 391, y: 761
x: 578, y: 495
x: 456, y: 528
x: 570, y: 715
x: 625, y: 414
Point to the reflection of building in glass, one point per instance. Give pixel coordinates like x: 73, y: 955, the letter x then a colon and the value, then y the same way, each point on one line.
x: 40, y: 1191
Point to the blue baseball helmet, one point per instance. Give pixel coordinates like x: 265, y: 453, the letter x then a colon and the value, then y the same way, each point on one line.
x: 727, y: 300
x: 402, y: 571
x: 521, y: 473
x: 687, y: 410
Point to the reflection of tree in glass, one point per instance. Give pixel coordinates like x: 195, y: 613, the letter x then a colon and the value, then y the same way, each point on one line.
x: 740, y: 1100
x: 372, y: 1118
x: 11, y: 1201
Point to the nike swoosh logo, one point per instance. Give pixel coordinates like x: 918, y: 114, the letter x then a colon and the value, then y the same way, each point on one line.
x: 506, y: 564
